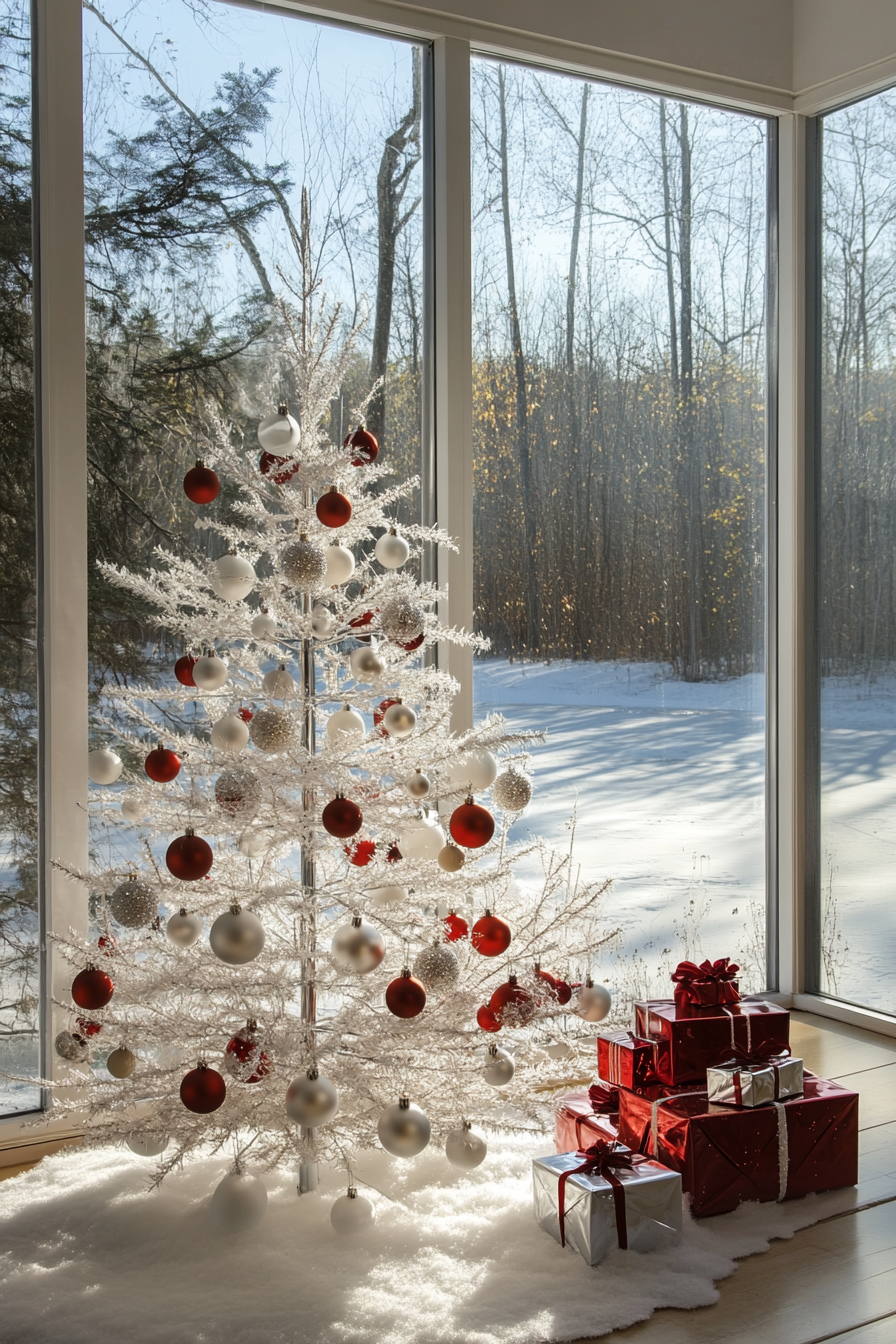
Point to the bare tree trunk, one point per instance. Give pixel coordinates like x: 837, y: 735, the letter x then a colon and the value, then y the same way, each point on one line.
x: 688, y: 406
x: 667, y: 241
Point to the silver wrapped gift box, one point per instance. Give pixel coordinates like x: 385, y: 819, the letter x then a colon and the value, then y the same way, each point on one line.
x: 739, y: 1084
x: 650, y: 1204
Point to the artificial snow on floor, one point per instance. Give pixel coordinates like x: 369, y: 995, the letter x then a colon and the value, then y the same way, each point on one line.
x: 87, y: 1254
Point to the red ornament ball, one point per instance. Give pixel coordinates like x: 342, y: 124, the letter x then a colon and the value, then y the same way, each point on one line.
x: 245, y: 714
x: 380, y: 713
x: 414, y: 644
x: 405, y: 996
x: 92, y: 989
x: 455, y: 927
x: 189, y: 857
x: 203, y: 1090
x: 393, y: 854
x: 108, y: 942
x: 563, y: 992
x: 512, y: 1005
x: 342, y: 818
x: 183, y: 669
x: 361, y: 852
x: 201, y: 485
x: 162, y: 765
x: 471, y: 825
x: 268, y: 464
x: 243, y: 1049
x: 361, y: 622
x: 365, y: 445
x: 333, y: 509
x: 88, y: 1028
x: 491, y: 935
x: 487, y: 1020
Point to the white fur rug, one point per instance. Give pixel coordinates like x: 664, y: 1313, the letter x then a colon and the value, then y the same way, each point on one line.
x: 86, y: 1255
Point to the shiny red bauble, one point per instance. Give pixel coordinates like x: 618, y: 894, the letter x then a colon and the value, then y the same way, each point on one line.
x: 361, y: 622
x: 244, y: 1049
x: 333, y: 509
x: 487, y: 1020
x: 393, y: 854
x: 414, y: 644
x: 246, y: 715
x: 88, y: 1028
x: 471, y: 825
x: 203, y: 1090
x: 162, y: 765
x: 491, y: 935
x: 92, y: 989
x: 365, y: 445
x: 563, y: 992
x: 201, y: 485
x: 183, y: 669
x: 380, y: 713
x: 189, y: 857
x: 405, y: 996
x: 108, y: 942
x: 512, y: 1005
x: 454, y: 927
x: 342, y: 818
x: 268, y: 464
x: 361, y: 852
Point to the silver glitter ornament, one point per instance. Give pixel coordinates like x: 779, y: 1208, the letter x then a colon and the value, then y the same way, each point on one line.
x: 72, y: 1047
x: 512, y: 790
x: 404, y: 1130
x: 304, y: 564
x: 499, y: 1067
x: 402, y: 620
x: 312, y: 1100
x: 134, y: 903
x: 437, y: 968
x: 466, y: 1147
x: 237, y: 936
x: 272, y: 729
x: 121, y: 1062
x: 238, y: 792
x: 184, y: 928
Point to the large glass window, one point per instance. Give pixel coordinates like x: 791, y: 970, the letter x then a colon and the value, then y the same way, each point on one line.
x: 857, y: 553
x: 620, y: 292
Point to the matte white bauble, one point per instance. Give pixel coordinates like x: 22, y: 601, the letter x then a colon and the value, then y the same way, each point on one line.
x: 184, y: 928
x: 399, y: 720
x: 352, y: 1213
x: 466, y: 1147
x: 477, y: 771
x: 237, y: 936
x: 323, y: 623
x: 132, y: 809
x: 263, y: 626
x: 559, y: 1050
x: 209, y: 672
x: 279, y: 683
x: 392, y: 550
x: 234, y: 578
x: 230, y: 733
x: 279, y: 432
x: 252, y: 844
x: 147, y: 1145
x: 345, y: 726
x: 311, y: 1100
x: 104, y: 766
x: 359, y: 946
x: 421, y: 840
x: 404, y: 1129
x: 417, y: 784
x: 499, y: 1067
x: 340, y: 565
x: 593, y: 1002
x: 239, y: 1202
x: 387, y: 895
x: 365, y: 664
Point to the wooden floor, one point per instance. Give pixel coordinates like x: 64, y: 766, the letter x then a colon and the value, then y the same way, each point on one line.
x: 836, y: 1280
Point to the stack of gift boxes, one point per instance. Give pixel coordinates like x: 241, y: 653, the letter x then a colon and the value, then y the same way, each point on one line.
x: 705, y: 1090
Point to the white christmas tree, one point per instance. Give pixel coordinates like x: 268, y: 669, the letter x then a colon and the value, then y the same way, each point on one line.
x: 323, y: 939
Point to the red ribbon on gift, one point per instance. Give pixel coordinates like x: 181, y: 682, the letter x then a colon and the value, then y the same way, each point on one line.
x: 600, y: 1160
x: 706, y: 985
x: 604, y: 1101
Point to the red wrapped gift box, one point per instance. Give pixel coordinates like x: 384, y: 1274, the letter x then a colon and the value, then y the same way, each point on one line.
x: 690, y: 1041
x: 725, y: 1156
x: 626, y: 1060
x: 585, y: 1117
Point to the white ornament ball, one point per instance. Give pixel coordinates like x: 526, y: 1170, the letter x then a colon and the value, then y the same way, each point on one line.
x: 340, y: 565
x: 387, y: 895
x: 311, y: 1100
x: 345, y: 726
x: 134, y: 903
x: 104, y: 766
x: 481, y: 771
x: 239, y: 1202
x: 237, y: 936
x: 132, y: 809
x: 392, y: 550
x: 365, y: 664
x: 147, y: 1145
x: 229, y: 733
x: 359, y: 946
x: 279, y: 432
x: 352, y: 1213
x: 121, y: 1062
x: 278, y: 683
x: 437, y: 968
x: 209, y: 672
x: 466, y: 1147
x: 404, y: 1129
x: 559, y: 1050
x: 417, y: 784
x: 399, y: 720
x: 499, y: 1067
x: 184, y: 928
x: 304, y: 564
x: 272, y: 729
x: 233, y: 578
x: 323, y: 622
x: 421, y: 840
x: 593, y: 1002
x: 451, y: 859
x: 72, y: 1047
x: 512, y: 790
x: 402, y: 620
x: 238, y: 792
x: 263, y: 626
x: 252, y: 844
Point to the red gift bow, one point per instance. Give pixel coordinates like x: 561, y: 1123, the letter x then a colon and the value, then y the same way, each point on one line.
x: 601, y: 1158
x: 604, y: 1100
x: 693, y: 982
